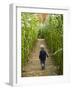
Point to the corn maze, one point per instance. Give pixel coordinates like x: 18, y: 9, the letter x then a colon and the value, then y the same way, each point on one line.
x: 42, y: 26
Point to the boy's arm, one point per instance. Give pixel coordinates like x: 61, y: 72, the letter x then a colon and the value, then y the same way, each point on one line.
x: 39, y: 55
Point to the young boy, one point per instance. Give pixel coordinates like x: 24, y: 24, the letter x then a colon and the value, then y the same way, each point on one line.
x: 42, y: 56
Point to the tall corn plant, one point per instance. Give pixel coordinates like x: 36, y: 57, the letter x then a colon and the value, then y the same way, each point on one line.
x: 53, y: 34
x: 29, y: 31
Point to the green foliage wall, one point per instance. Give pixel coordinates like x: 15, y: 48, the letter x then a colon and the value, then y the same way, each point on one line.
x: 29, y: 27
x: 53, y: 34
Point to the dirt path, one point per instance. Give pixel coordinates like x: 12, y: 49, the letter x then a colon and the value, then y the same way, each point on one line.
x: 33, y: 67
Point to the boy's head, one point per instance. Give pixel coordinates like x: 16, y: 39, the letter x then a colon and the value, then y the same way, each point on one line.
x: 42, y: 46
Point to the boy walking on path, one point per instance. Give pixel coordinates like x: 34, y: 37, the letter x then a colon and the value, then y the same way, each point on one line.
x: 42, y: 56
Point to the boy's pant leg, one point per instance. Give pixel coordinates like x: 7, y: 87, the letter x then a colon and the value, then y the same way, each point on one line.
x: 43, y: 64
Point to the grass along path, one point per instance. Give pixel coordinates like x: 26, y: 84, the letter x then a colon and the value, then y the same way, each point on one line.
x: 33, y: 68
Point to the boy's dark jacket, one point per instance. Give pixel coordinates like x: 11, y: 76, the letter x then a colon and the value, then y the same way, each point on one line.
x: 42, y: 55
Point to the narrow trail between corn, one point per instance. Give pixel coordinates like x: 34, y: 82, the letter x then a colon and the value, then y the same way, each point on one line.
x: 33, y: 67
